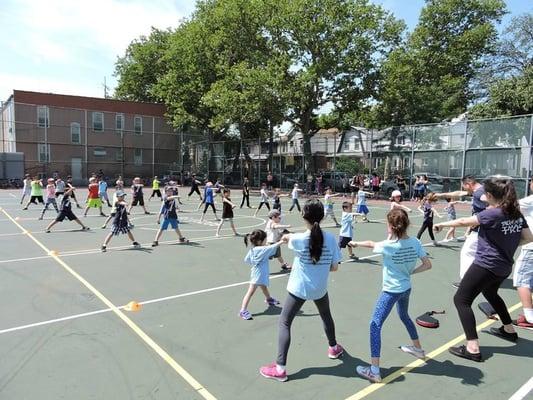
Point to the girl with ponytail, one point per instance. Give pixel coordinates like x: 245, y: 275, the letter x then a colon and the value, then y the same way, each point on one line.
x: 400, y: 256
x: 501, y: 229
x: 316, y: 253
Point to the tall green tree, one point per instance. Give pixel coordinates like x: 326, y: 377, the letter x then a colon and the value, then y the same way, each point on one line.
x: 335, y: 48
x: 140, y: 69
x: 508, y: 74
x: 429, y: 78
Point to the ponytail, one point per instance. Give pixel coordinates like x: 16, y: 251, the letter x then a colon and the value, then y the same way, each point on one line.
x: 256, y: 238
x: 313, y: 212
x: 503, y: 190
x: 510, y: 204
x: 316, y: 242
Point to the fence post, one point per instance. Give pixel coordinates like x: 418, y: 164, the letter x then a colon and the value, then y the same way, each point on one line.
x: 87, y: 151
x: 529, y: 155
x: 412, y: 164
x: 153, y: 147
x: 463, y: 166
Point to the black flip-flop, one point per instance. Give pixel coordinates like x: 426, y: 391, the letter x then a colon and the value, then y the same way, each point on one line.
x: 500, y: 332
x: 461, y: 351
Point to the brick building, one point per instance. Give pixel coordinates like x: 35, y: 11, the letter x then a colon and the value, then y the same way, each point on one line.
x: 75, y: 135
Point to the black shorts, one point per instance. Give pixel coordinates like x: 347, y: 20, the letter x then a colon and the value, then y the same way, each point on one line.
x: 343, y: 241
x: 38, y: 198
x: 59, y: 194
x: 277, y: 254
x: 375, y: 189
x: 156, y: 192
x: 66, y: 214
x: 138, y: 200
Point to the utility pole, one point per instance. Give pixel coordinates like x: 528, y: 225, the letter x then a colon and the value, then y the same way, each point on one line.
x: 105, y: 88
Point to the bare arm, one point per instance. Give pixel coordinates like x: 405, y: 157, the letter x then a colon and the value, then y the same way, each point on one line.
x: 334, y: 267
x: 457, y: 193
x: 281, y: 226
x: 426, y: 265
x: 436, y: 212
x: 366, y: 243
x: 460, y: 222
x: 526, y: 236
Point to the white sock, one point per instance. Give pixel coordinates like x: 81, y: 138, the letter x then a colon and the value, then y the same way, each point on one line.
x: 528, y: 313
x: 280, y: 368
x: 374, y: 369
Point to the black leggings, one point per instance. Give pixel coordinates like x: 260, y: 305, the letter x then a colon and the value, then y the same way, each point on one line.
x: 195, y: 189
x: 295, y: 203
x: 247, y: 197
x: 427, y: 224
x: 479, y: 280
x: 212, y: 206
x: 265, y: 203
x: 290, y: 309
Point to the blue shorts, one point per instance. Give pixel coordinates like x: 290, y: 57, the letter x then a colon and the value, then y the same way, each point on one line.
x: 343, y: 241
x: 172, y: 222
x: 362, y: 209
x: 523, y: 273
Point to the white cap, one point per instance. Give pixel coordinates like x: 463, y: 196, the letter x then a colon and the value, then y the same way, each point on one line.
x: 396, y: 193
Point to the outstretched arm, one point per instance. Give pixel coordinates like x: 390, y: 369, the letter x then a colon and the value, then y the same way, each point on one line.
x: 457, y: 223
x: 366, y: 243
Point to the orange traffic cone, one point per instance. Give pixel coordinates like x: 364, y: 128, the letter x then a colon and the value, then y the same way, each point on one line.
x: 132, y: 306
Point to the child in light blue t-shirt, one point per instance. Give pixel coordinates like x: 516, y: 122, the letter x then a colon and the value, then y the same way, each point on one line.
x: 399, y: 261
x: 315, y: 254
x: 346, y: 232
x: 362, y: 208
x: 258, y: 257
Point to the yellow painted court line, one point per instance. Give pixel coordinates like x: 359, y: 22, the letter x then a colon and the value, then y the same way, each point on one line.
x: 417, y: 363
x: 134, y: 327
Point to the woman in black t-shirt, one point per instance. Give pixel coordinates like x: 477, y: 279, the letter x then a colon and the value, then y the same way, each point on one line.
x: 501, y: 229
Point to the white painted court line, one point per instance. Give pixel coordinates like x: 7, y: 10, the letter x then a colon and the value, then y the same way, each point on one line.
x: 523, y: 391
x: 152, y: 301
x: 187, y: 377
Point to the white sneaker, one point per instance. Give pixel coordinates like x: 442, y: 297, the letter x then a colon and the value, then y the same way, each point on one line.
x: 414, y: 351
x: 366, y: 372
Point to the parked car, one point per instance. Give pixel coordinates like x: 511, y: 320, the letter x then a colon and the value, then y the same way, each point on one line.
x: 335, y: 180
x: 435, y: 182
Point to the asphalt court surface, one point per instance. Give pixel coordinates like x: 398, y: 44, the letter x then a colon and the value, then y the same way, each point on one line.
x: 191, y: 295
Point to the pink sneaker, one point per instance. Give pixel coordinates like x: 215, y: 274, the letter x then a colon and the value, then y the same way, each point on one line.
x: 335, y: 351
x: 270, y: 371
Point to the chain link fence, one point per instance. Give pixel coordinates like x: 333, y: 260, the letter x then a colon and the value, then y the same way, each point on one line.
x: 81, y: 142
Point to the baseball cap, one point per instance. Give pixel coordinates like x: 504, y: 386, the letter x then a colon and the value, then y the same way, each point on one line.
x: 120, y: 193
x: 396, y: 193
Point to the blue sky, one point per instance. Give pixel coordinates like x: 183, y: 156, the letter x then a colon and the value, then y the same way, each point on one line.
x: 69, y: 46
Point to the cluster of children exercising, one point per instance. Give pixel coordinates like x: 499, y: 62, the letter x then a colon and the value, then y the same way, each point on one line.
x: 498, y: 225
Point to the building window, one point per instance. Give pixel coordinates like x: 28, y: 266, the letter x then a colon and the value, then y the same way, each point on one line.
x: 43, y: 151
x: 99, y: 152
x: 138, y: 157
x: 75, y: 136
x: 138, y: 125
x: 119, y: 122
x: 43, y: 117
x: 119, y: 155
x: 98, y: 122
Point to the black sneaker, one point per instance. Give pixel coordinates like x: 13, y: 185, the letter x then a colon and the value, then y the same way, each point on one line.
x: 456, y: 284
x: 103, y: 249
x: 501, y: 333
x: 461, y: 351
x: 155, y: 243
x: 136, y: 245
